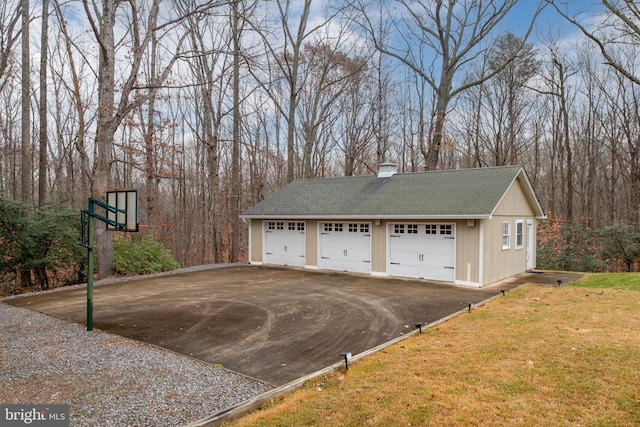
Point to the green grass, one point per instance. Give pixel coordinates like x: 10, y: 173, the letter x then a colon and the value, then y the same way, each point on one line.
x: 538, y: 356
x: 622, y: 281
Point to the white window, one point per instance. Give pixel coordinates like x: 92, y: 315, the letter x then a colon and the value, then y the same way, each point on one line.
x: 328, y: 226
x: 412, y: 228
x: 519, y: 234
x: 506, y: 235
x: 398, y: 228
x: 431, y: 229
x: 364, y: 228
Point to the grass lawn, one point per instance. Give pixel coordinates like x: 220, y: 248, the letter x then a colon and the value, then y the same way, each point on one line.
x: 627, y: 281
x: 540, y: 355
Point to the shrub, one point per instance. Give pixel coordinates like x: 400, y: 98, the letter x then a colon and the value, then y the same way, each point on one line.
x: 620, y: 242
x: 141, y: 256
x: 38, y: 246
x: 576, y: 247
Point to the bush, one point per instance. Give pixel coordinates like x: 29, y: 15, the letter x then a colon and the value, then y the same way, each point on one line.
x: 576, y: 247
x: 620, y: 242
x: 38, y: 246
x: 141, y: 256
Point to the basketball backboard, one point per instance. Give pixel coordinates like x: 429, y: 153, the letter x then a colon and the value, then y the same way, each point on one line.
x: 126, y: 203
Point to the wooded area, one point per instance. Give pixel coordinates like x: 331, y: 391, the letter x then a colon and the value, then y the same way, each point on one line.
x: 208, y: 108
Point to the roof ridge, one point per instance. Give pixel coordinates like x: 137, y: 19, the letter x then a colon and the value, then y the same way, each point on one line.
x: 462, y: 170
x: 416, y: 173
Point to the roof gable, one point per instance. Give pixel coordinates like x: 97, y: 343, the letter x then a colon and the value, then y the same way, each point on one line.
x: 462, y: 193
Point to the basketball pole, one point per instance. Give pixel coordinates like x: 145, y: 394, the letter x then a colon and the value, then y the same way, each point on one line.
x: 111, y: 219
x: 90, y: 268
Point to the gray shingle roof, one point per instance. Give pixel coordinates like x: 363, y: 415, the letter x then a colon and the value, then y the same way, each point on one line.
x: 463, y: 193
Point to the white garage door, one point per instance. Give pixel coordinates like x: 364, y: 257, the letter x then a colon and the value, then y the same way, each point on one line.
x: 284, y: 243
x: 345, y: 247
x: 425, y: 251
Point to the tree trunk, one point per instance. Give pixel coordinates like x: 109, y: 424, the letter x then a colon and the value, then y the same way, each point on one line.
x: 25, y: 173
x: 42, y: 107
x: 234, y: 200
x: 105, y: 130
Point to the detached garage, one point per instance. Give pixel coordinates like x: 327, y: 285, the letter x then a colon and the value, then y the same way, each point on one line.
x: 470, y: 227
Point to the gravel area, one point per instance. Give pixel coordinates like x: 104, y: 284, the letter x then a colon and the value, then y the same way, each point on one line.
x: 107, y: 379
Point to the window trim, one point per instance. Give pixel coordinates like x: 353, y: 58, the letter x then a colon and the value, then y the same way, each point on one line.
x: 506, y: 235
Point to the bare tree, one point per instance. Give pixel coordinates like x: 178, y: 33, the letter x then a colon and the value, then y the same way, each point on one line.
x: 210, y: 62
x: 78, y: 102
x: 497, y: 117
x: 25, y: 121
x: 42, y: 106
x: 452, y: 33
x: 10, y: 14
x: 284, y: 54
x: 618, y: 29
x: 144, y: 21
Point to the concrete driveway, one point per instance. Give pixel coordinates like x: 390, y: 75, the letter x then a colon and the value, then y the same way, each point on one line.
x: 272, y: 324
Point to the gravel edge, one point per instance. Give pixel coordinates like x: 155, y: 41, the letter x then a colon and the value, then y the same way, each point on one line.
x: 107, y: 379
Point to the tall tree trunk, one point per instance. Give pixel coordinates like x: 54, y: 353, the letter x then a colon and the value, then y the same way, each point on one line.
x: 25, y: 173
x: 234, y: 209
x: 432, y: 156
x: 42, y: 107
x: 78, y: 104
x: 151, y: 155
x: 105, y: 129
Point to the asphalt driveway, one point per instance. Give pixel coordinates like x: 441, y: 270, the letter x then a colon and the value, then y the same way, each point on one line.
x: 272, y: 324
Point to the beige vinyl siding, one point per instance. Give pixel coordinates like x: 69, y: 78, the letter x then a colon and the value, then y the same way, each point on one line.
x: 256, y: 241
x: 467, y: 251
x: 514, y: 203
x: 311, y: 234
x: 379, y: 247
x: 498, y: 262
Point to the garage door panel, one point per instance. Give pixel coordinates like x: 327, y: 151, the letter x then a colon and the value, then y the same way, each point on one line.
x: 425, y: 251
x: 345, y: 247
x: 285, y: 243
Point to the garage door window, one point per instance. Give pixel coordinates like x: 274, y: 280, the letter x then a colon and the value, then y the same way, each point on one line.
x: 412, y: 228
x: 275, y: 226
x: 364, y: 228
x: 431, y: 229
x: 398, y: 228
x: 300, y: 226
x: 446, y: 230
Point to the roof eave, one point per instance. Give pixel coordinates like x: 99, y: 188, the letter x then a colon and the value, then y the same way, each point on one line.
x: 369, y: 217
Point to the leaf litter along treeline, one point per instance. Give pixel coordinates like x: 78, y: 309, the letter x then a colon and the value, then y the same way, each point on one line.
x: 208, y: 110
